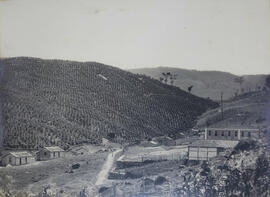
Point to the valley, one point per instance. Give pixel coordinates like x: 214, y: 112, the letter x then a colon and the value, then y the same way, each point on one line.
x: 125, y: 134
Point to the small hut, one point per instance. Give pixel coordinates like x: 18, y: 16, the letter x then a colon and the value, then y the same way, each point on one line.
x: 48, y: 153
x: 17, y: 158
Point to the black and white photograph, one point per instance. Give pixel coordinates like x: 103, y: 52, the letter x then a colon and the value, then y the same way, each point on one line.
x: 134, y: 98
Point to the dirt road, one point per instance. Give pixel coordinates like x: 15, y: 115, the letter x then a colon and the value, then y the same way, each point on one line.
x: 103, y: 174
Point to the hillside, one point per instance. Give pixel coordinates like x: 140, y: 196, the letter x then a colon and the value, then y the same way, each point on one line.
x: 207, y: 83
x: 47, y: 102
x: 249, y: 110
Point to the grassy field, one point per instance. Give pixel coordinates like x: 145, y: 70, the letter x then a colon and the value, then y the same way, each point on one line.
x: 139, y: 153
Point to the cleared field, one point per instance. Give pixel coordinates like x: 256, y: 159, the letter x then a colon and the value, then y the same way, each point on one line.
x: 247, y: 111
x: 139, y: 154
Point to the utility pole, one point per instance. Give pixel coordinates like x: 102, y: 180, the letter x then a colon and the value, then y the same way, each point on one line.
x: 221, y: 104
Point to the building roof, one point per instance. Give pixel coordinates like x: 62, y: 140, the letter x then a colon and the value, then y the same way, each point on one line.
x: 226, y: 143
x: 234, y: 129
x: 20, y: 154
x: 214, y: 143
x: 204, y: 143
x: 54, y: 149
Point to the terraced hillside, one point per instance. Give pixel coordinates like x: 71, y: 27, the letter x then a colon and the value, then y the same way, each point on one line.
x: 47, y: 102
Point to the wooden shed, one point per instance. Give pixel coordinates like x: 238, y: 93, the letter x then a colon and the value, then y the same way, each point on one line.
x: 48, y: 153
x: 203, y: 150
x: 17, y: 158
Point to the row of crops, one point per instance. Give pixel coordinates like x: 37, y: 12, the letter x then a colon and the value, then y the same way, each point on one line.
x: 53, y: 102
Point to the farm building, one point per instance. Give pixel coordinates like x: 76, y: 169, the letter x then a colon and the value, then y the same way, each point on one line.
x: 17, y: 158
x: 230, y: 134
x: 202, y: 150
x: 50, y: 153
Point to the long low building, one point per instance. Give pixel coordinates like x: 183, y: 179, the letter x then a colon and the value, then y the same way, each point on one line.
x: 230, y: 133
x: 17, y: 158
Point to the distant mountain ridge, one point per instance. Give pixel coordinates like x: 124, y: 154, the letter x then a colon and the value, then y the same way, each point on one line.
x: 56, y: 102
x: 206, y: 83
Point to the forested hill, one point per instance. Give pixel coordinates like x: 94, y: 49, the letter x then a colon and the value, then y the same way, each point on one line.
x: 48, y: 102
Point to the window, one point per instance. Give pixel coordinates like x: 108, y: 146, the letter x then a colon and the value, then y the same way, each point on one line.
x: 45, y: 153
x: 25, y: 159
x: 235, y: 133
x: 242, y: 133
x: 53, y: 154
x: 58, y: 154
x: 222, y: 134
x: 209, y: 133
x: 9, y: 159
x: 249, y: 134
x: 215, y: 133
x: 229, y: 133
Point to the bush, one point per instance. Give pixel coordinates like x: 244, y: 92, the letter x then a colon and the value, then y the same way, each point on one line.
x: 160, y: 180
x: 245, y: 145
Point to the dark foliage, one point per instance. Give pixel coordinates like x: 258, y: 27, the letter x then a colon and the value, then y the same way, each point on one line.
x: 267, y: 81
x: 160, y: 180
x: 102, y: 189
x: 54, y: 102
x: 76, y: 166
x: 245, y: 145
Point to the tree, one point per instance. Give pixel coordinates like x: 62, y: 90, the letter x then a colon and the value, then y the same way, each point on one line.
x: 267, y: 81
x: 111, y: 135
x: 165, y: 77
x: 190, y: 88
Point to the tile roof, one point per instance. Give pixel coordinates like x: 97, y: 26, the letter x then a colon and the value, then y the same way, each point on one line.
x: 204, y: 143
x: 21, y: 154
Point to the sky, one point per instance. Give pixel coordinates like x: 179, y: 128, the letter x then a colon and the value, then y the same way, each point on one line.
x: 225, y: 35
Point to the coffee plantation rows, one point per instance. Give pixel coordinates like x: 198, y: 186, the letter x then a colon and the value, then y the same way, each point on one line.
x: 55, y: 102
